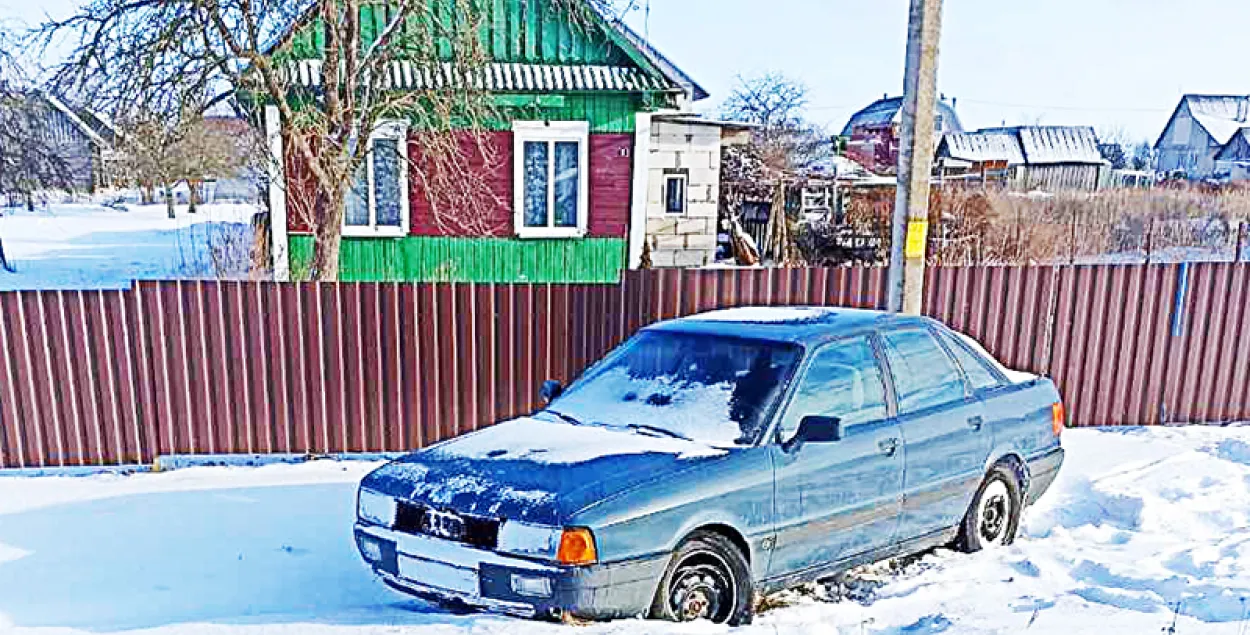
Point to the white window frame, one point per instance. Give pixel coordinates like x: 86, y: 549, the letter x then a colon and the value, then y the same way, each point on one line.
x: 685, y: 190
x: 398, y: 131
x: 551, y: 132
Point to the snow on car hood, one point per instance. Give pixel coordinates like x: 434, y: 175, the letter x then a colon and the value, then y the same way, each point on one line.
x: 550, y: 442
x: 534, y: 470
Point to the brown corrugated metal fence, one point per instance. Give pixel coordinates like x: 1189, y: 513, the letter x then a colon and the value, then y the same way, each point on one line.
x: 118, y: 377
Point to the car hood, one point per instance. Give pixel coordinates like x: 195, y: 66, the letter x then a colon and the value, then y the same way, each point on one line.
x: 534, y: 470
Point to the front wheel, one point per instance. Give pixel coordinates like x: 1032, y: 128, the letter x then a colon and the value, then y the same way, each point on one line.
x: 708, y: 579
x: 994, y: 516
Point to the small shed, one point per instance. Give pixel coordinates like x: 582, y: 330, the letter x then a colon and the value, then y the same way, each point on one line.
x: 1026, y: 157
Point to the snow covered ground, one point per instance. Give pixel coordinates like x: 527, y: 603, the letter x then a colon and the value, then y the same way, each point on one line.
x: 84, y: 246
x: 1139, y: 522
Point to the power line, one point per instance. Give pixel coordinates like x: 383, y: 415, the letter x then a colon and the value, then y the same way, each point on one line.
x: 1073, y: 108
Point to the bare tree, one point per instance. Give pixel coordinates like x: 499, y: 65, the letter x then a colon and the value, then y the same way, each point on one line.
x: 149, y: 156
x: 157, y: 55
x: 776, y: 104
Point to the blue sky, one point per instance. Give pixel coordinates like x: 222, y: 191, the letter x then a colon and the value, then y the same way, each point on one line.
x: 1113, y: 64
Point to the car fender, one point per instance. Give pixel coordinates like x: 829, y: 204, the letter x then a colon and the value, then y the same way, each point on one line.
x: 1006, y: 452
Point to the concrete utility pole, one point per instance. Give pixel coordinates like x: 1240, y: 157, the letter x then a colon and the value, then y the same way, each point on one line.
x: 915, y: 160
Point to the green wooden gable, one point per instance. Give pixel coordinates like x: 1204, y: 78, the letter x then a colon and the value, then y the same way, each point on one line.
x: 512, y: 31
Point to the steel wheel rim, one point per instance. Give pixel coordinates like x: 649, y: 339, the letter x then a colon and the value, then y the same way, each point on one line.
x: 703, y: 590
x: 994, y: 514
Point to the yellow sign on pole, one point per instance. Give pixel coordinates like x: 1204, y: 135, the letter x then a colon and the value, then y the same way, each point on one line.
x: 917, y: 238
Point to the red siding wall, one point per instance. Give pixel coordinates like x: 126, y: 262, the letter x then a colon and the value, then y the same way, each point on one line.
x: 489, y: 157
x: 611, y: 184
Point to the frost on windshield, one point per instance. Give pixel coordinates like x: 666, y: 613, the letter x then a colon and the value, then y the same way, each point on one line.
x: 711, y: 389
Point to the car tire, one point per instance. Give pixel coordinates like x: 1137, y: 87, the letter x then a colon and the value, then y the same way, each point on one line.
x: 994, y: 516
x: 707, y: 578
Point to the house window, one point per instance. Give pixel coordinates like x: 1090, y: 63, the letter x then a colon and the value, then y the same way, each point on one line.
x: 377, y: 204
x: 676, y: 185
x: 552, y: 191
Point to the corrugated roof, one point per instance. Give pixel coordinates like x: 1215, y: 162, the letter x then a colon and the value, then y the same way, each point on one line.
x: 1025, y: 145
x: 980, y: 147
x: 889, y: 110
x: 498, y: 77
x: 1221, y: 115
x: 1059, y: 144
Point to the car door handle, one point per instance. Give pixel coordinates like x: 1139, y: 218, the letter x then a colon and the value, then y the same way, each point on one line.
x: 888, y: 447
x: 976, y: 423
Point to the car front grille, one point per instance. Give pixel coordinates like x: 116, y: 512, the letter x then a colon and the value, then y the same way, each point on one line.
x: 482, y: 533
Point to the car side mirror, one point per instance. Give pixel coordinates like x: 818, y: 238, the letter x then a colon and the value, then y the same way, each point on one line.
x: 815, y: 429
x: 551, y: 390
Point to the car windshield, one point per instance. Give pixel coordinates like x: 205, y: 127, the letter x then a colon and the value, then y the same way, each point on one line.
x: 712, y: 389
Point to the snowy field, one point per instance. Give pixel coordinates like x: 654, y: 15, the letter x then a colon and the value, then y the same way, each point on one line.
x: 1140, y: 521
x: 84, y: 246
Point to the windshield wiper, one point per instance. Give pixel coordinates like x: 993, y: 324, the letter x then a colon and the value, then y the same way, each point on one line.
x: 664, y: 431
x: 567, y: 418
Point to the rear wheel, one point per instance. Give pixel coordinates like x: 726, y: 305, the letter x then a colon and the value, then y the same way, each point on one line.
x: 707, y: 579
x: 994, y: 516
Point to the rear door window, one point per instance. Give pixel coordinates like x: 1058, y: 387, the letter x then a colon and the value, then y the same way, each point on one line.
x: 924, y: 375
x: 843, y: 381
x: 975, y: 368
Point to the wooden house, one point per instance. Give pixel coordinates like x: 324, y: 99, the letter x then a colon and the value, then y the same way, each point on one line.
x: 583, y: 108
x: 1199, y: 129
x: 872, y: 134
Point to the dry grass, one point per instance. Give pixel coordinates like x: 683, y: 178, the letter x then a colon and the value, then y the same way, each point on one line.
x: 972, y: 226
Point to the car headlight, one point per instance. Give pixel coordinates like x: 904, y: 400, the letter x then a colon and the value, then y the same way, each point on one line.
x: 524, y: 539
x: 376, y: 508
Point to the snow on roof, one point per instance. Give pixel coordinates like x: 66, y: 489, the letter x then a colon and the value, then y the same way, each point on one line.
x: 87, y: 130
x: 699, y: 120
x: 765, y: 315
x: 1059, y: 144
x: 1221, y: 115
x: 980, y: 147
x: 889, y: 110
x: 1026, y: 145
x: 1237, y: 148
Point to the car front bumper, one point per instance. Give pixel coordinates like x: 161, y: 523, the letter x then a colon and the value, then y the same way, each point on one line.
x: 450, y: 572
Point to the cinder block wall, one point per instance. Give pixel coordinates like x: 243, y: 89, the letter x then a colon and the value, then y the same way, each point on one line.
x: 688, y: 239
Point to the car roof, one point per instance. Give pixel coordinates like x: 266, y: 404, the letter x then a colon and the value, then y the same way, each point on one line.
x: 806, y: 326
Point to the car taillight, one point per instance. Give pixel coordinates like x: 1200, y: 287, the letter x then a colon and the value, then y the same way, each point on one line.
x: 1058, y: 418
x: 577, y: 547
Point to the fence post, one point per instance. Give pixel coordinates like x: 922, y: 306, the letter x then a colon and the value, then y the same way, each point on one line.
x: 1241, y: 240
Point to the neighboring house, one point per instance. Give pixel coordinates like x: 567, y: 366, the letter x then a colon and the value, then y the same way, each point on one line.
x: 1233, y: 160
x: 683, y: 187
x: 872, y: 134
x: 585, y: 106
x: 1026, y: 157
x: 1199, y: 128
x: 83, y: 140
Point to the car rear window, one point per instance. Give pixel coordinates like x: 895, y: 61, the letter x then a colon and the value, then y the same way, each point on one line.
x: 924, y: 375
x: 975, y: 368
